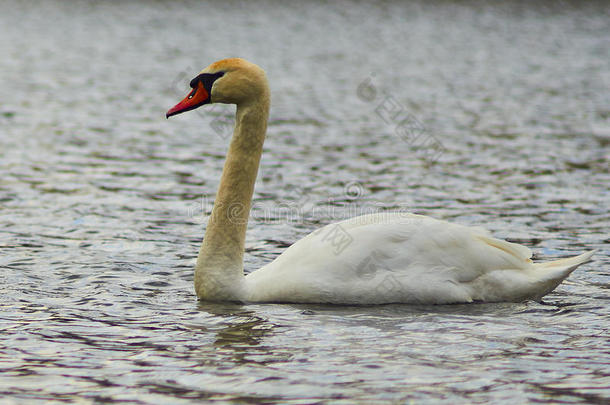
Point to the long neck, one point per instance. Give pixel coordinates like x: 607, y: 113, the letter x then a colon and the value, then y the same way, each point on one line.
x: 219, y: 270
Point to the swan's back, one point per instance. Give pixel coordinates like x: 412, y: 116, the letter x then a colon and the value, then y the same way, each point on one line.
x: 401, y: 258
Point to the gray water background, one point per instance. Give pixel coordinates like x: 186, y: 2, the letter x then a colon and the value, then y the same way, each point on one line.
x: 103, y: 202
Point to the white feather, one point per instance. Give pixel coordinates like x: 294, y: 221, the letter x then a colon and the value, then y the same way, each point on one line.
x: 404, y: 258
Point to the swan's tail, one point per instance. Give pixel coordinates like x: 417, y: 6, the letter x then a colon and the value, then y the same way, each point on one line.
x: 553, y: 273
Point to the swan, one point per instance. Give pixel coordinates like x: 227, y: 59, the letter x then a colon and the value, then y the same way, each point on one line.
x: 371, y: 259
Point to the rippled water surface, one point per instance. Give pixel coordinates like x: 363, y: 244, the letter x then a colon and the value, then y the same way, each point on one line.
x: 103, y: 202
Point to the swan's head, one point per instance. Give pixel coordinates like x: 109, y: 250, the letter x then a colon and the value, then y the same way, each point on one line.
x: 228, y: 81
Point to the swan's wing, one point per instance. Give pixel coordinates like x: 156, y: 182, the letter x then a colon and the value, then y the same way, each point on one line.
x: 385, y: 257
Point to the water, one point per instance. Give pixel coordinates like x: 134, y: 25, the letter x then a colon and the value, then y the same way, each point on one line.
x: 101, y: 208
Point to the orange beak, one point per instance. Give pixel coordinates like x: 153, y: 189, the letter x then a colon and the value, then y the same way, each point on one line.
x: 196, y: 98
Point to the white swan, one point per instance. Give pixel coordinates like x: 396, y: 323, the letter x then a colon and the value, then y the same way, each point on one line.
x: 371, y: 259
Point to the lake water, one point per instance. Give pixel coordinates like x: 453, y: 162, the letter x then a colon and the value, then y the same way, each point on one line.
x: 491, y: 115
